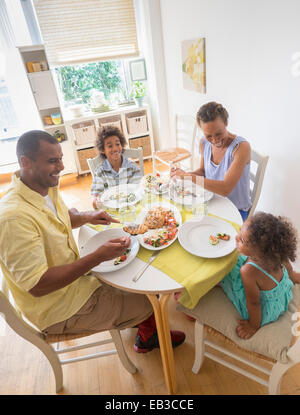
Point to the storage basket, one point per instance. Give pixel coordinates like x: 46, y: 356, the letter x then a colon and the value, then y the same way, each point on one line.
x: 142, y: 142
x: 137, y: 124
x: 112, y: 124
x: 85, y: 154
x: 85, y: 133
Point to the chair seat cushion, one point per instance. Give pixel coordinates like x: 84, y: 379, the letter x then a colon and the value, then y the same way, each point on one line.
x: 272, y: 340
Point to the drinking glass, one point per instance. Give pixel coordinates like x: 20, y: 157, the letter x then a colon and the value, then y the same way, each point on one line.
x: 127, y: 213
x: 199, y: 208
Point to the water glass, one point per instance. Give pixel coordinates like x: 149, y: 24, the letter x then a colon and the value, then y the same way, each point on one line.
x: 127, y: 213
x: 199, y: 208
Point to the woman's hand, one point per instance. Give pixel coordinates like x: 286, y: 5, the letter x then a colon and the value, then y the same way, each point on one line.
x: 245, y: 330
x: 176, y: 172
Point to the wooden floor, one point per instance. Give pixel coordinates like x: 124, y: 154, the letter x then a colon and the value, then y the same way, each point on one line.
x: 24, y: 369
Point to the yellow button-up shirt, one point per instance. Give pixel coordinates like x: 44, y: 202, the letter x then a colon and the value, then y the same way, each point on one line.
x: 33, y: 239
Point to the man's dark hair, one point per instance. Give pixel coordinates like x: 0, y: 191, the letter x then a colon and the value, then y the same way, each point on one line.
x: 29, y: 143
x: 106, y: 132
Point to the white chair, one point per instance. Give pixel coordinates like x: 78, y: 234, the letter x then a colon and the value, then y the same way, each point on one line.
x: 43, y: 343
x: 259, y: 162
x: 131, y: 153
x: 275, y: 343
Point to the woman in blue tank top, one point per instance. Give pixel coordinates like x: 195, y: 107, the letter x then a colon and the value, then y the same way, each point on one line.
x: 260, y: 284
x: 225, y: 158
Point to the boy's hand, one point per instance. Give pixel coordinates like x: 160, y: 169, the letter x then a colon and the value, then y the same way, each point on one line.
x: 245, y: 330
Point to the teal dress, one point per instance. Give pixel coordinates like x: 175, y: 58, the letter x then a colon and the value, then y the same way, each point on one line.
x: 273, y: 302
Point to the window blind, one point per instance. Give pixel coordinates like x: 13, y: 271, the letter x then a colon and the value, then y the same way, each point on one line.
x: 76, y: 31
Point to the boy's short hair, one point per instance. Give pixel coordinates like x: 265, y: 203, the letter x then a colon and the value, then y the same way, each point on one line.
x: 106, y: 132
x: 29, y: 143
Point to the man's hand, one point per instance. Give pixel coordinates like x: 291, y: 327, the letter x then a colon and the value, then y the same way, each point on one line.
x: 113, y: 248
x: 100, y: 217
x: 245, y: 330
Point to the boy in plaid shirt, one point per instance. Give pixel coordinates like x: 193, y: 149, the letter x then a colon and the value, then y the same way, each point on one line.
x: 116, y: 168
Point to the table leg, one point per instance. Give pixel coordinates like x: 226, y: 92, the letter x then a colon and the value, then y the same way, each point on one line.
x: 163, y: 331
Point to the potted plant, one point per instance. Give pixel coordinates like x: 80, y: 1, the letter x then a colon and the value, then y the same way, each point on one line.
x: 139, y: 90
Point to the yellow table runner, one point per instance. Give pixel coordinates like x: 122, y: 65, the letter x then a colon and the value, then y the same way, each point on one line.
x: 196, y: 274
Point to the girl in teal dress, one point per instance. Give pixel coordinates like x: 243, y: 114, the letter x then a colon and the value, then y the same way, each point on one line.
x: 260, y: 284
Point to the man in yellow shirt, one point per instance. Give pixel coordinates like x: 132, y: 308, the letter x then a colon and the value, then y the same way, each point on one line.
x: 51, y: 286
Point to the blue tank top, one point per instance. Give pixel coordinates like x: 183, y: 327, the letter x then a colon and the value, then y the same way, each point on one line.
x: 240, y: 195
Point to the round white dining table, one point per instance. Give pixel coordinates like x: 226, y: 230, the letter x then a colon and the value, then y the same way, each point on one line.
x: 154, y: 281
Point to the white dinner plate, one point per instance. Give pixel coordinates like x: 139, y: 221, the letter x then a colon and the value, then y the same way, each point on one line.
x: 100, y: 238
x: 142, y: 216
x: 109, y: 196
x: 194, y: 234
x: 185, y: 192
x: 153, y: 186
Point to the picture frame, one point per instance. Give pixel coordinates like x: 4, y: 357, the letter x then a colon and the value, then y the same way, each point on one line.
x: 138, y: 70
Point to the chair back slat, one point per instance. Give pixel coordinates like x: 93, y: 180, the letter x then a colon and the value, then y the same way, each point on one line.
x: 257, y: 177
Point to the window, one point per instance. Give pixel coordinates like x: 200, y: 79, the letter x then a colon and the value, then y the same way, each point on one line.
x: 78, y: 82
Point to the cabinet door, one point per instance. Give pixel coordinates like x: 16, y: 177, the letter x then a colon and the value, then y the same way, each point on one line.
x: 43, y: 89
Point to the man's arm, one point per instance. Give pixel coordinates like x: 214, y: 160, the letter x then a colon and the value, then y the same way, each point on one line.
x: 61, y: 276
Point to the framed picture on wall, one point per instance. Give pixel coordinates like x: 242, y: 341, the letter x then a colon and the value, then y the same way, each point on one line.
x: 138, y: 70
x: 194, y: 64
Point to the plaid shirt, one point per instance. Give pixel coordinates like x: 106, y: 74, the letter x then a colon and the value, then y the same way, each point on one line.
x: 106, y: 176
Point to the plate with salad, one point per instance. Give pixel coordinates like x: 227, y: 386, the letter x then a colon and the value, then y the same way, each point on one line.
x: 157, y: 183
x: 186, y: 192
x: 162, y: 221
x: 122, y: 195
x: 208, y: 237
x: 117, y: 263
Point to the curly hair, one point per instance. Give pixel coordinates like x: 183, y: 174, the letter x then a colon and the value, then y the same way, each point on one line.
x: 274, y: 236
x: 106, y: 132
x: 211, y: 111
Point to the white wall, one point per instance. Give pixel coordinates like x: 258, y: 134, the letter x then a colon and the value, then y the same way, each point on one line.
x: 249, y: 49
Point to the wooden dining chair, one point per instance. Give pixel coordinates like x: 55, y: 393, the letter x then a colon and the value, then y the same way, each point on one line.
x: 50, y: 345
x: 276, y: 344
x: 184, y: 133
x: 257, y: 172
x: 130, y: 153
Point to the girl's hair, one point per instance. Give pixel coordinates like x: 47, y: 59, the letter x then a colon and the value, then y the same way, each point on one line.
x: 106, y: 132
x: 274, y: 237
x: 211, y: 111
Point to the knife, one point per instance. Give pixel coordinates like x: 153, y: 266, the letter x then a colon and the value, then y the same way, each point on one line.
x: 141, y: 272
